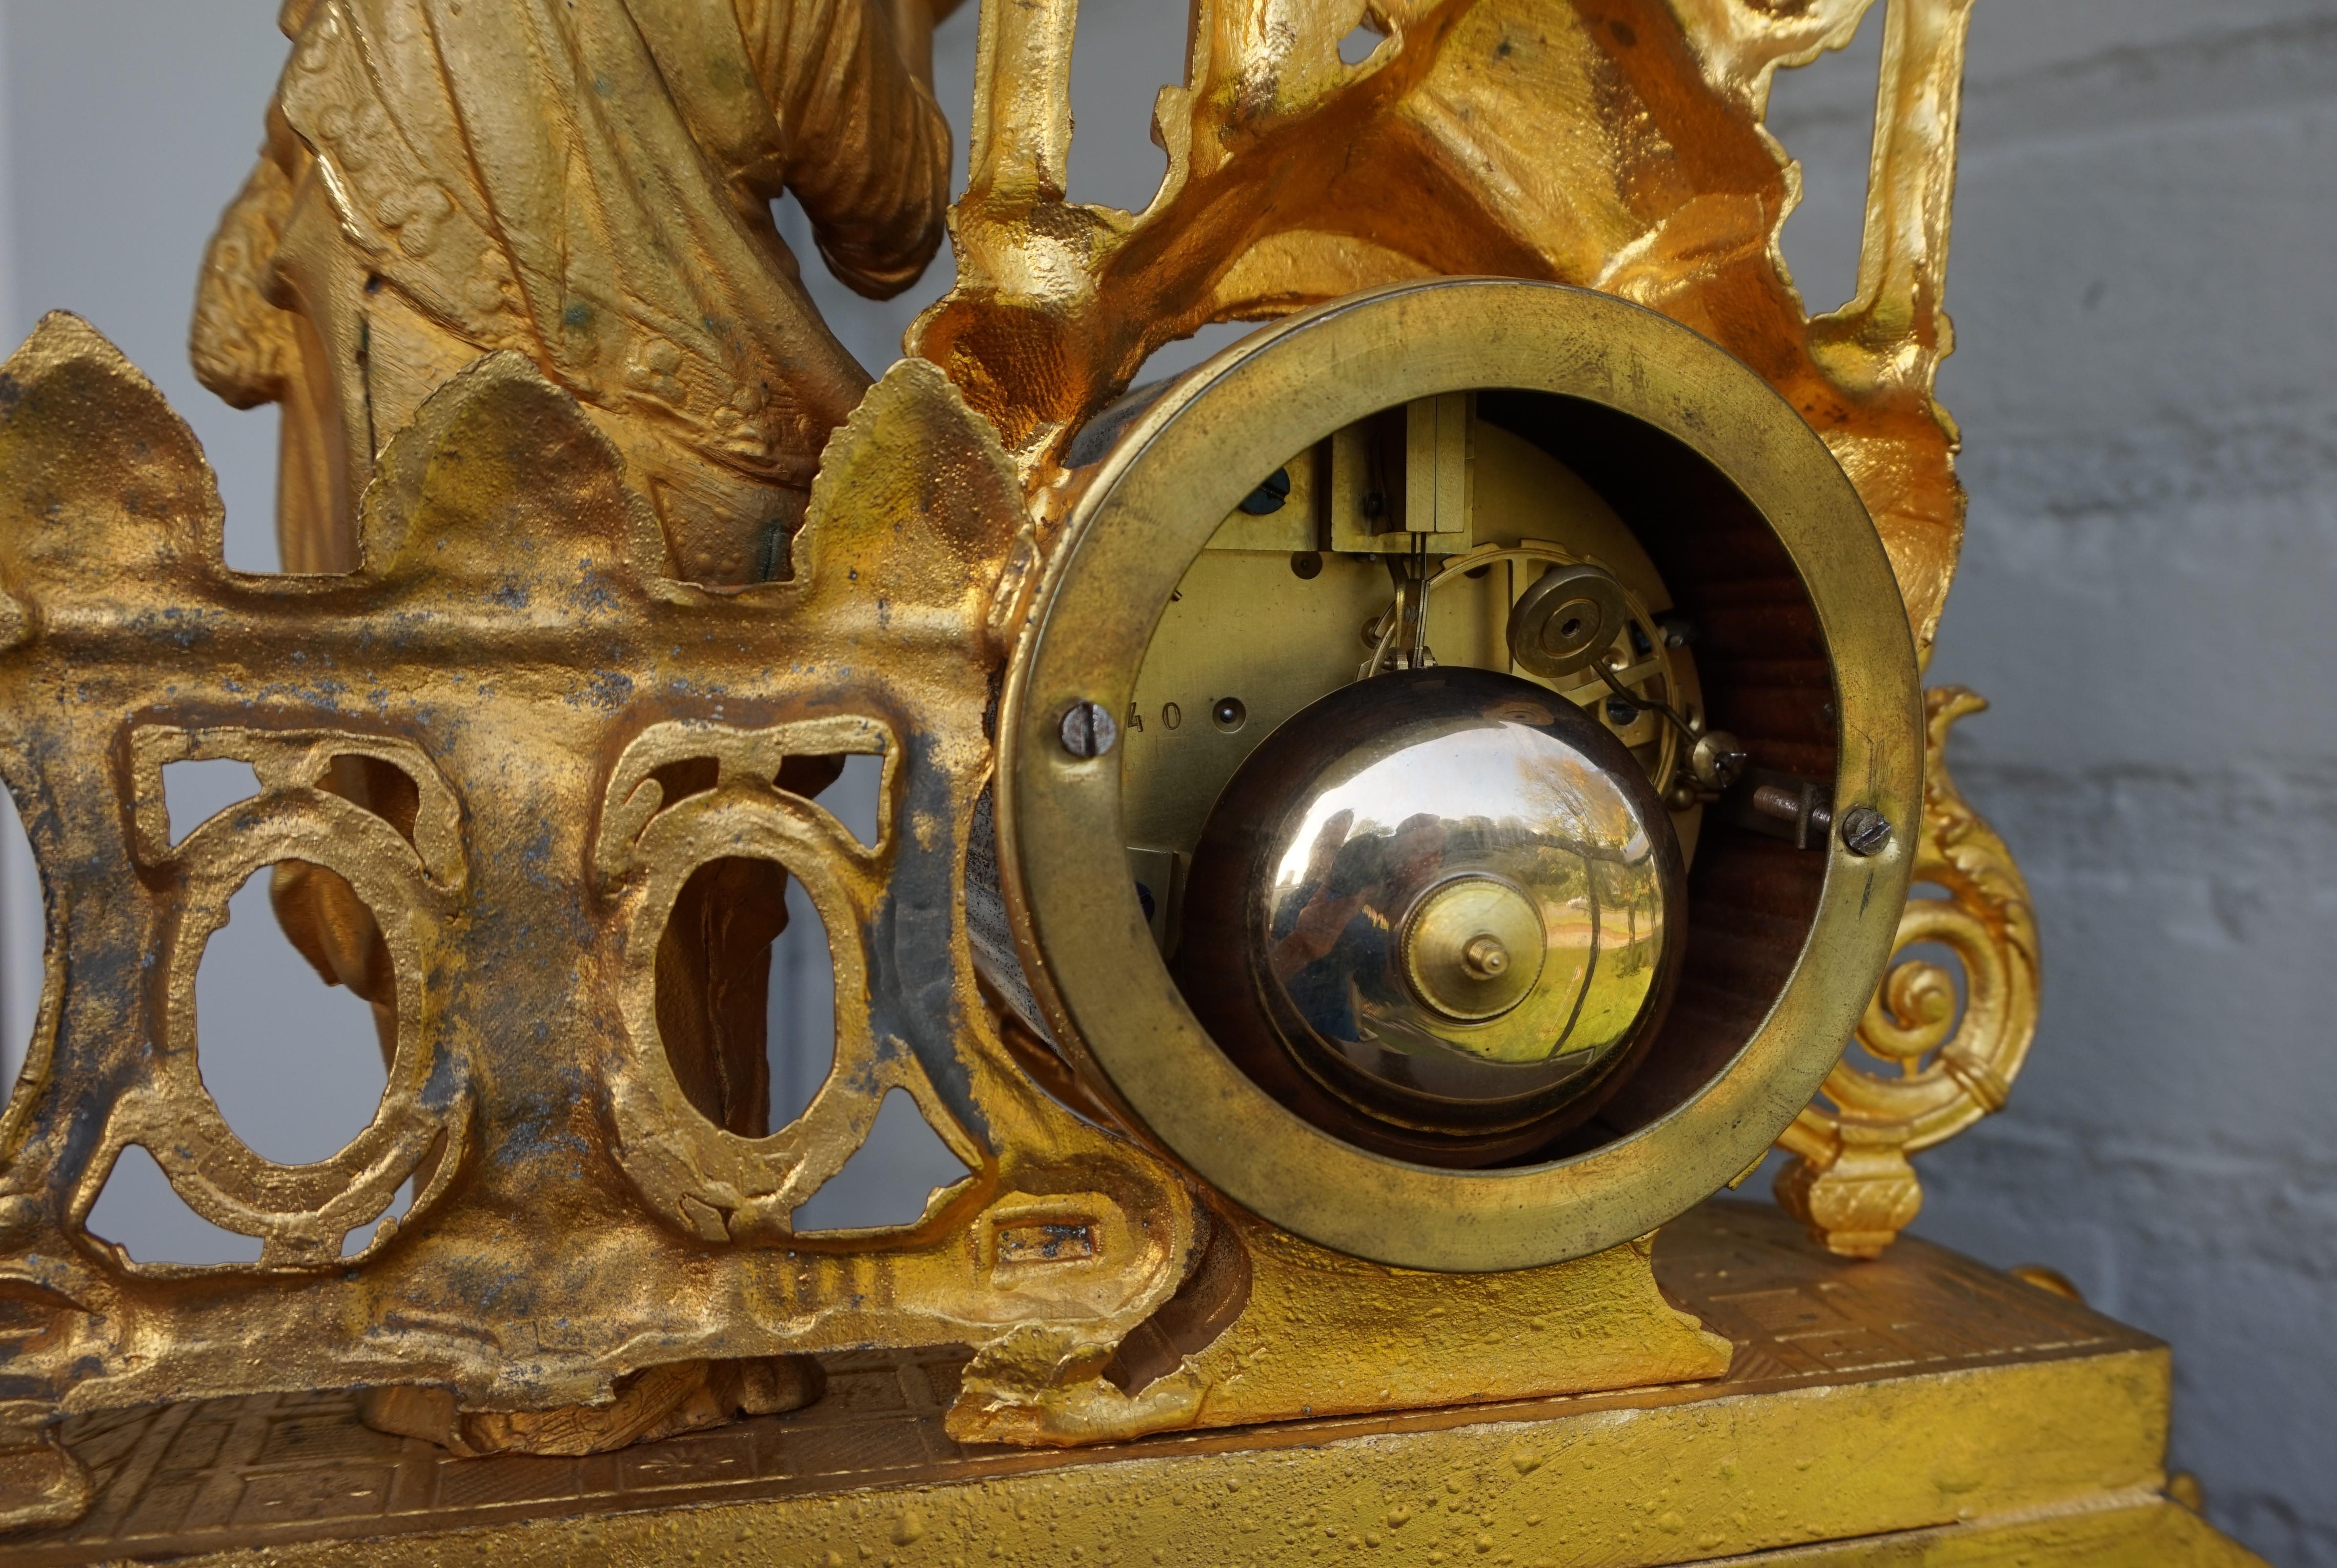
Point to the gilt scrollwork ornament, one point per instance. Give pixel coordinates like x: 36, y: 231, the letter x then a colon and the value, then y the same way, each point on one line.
x: 1957, y: 1050
x: 603, y: 555
x: 1463, y: 143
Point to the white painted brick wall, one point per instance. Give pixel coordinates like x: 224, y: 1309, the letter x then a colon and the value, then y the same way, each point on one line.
x: 2147, y: 348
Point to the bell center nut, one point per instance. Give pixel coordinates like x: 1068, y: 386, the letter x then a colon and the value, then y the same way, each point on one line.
x: 1455, y: 903
x: 1472, y: 948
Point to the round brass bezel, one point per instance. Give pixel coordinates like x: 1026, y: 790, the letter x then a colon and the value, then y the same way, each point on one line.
x: 1153, y: 502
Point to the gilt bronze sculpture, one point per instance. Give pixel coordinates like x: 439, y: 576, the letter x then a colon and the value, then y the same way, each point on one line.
x: 1372, y: 829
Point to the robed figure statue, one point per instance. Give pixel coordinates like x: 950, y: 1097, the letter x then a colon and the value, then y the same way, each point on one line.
x: 589, y: 182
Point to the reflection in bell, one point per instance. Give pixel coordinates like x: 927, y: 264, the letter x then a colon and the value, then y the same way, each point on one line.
x: 1436, y: 912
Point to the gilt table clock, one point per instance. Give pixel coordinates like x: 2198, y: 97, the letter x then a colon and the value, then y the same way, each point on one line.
x: 1375, y: 831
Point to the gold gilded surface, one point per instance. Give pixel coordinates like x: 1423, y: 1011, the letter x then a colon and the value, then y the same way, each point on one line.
x: 1920, y: 1410
x: 438, y: 183
x: 1323, y: 1333
x: 607, y: 555
x: 540, y: 1097
x: 1618, y: 147
x: 549, y: 680
x: 1149, y: 509
x: 1955, y: 1053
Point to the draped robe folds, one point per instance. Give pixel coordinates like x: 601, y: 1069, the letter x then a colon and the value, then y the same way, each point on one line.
x: 588, y: 183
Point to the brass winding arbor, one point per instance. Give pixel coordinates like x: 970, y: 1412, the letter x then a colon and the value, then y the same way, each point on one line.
x: 551, y: 719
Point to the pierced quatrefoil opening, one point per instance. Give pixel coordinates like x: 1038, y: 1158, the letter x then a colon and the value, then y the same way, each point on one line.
x: 296, y: 1008
x: 141, y: 1214
x: 22, y: 944
x: 890, y: 1178
x: 197, y: 790
x: 746, y: 992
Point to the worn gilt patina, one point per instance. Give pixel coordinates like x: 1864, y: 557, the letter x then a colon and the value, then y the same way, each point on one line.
x: 603, y: 553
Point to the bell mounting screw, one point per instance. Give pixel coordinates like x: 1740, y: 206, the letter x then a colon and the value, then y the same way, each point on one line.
x: 1089, y: 731
x: 1864, y: 830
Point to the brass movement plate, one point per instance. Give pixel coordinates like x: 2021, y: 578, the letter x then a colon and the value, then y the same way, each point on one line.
x: 1244, y: 625
x: 1965, y: 1415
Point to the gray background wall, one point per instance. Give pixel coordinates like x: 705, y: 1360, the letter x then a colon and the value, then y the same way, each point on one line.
x: 2146, y: 348
x: 2147, y: 205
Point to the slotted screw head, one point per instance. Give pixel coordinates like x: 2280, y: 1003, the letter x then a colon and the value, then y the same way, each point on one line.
x: 1088, y: 731
x: 1864, y: 830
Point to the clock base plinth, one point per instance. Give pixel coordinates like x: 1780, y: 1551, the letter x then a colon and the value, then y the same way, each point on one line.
x: 1921, y: 1409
